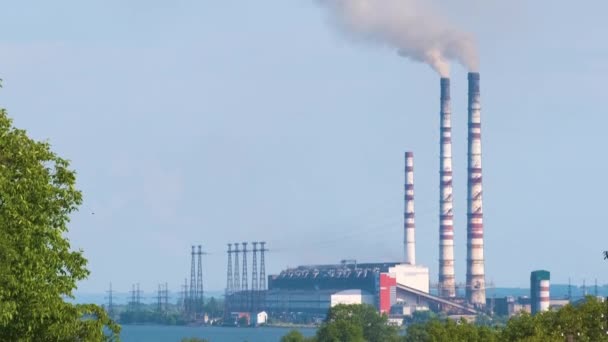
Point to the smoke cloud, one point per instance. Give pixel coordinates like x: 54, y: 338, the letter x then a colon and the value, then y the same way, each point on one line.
x: 413, y: 27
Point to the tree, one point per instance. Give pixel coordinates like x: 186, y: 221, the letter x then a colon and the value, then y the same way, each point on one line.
x: 194, y: 339
x: 213, y: 308
x: 243, y: 322
x: 356, y: 323
x: 37, y: 267
x: 293, y: 336
x: 584, y: 322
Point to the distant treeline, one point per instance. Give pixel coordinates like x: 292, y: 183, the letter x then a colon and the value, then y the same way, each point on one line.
x: 585, y: 321
x: 172, y: 315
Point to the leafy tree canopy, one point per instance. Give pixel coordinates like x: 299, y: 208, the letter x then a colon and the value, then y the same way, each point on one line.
x: 587, y: 321
x: 584, y: 322
x: 194, y: 339
x: 37, y: 267
x: 293, y: 336
x: 356, y: 323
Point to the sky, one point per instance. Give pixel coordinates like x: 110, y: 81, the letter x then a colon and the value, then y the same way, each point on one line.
x: 209, y: 122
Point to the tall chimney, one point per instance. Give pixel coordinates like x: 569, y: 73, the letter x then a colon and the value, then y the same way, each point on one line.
x: 475, y: 287
x: 446, y: 217
x: 409, y: 225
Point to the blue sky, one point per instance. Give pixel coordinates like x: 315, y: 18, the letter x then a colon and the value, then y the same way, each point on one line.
x: 220, y: 121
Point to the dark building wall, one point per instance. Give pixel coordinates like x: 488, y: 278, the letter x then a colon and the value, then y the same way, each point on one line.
x: 329, y: 277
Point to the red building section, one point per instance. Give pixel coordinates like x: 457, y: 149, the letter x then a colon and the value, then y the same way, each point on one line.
x: 387, y: 293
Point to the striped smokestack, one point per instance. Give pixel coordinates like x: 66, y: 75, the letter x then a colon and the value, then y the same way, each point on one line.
x: 446, y: 218
x: 409, y: 225
x: 475, y: 287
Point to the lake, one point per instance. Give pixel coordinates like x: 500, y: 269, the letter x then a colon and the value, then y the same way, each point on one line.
x: 159, y: 333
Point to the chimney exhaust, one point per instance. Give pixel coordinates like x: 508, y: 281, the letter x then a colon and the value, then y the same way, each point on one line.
x: 446, y: 217
x: 475, y: 287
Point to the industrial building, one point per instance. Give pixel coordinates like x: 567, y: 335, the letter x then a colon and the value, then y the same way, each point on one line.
x: 398, y: 286
x: 314, y: 289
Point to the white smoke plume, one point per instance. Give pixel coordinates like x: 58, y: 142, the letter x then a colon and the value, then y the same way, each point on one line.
x: 412, y: 27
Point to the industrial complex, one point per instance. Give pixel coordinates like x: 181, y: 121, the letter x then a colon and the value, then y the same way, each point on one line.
x: 398, y: 287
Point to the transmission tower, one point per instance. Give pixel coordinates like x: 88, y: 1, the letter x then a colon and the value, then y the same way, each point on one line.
x: 159, y: 298
x: 199, y: 280
x: 135, y: 304
x: 262, y: 266
x: 192, y: 295
x: 184, y: 296
x: 135, y: 297
x: 110, y: 302
x: 254, y: 268
x: 138, y: 298
x: 133, y: 301
x: 229, y: 273
x: 584, y: 289
x: 237, y: 281
x: 595, y: 288
x: 244, y: 284
x: 166, y: 299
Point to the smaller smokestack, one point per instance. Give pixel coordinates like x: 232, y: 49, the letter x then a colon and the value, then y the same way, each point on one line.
x: 539, y: 288
x: 409, y: 224
x: 447, y: 286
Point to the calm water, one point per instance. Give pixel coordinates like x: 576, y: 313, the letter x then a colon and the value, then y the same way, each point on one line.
x: 156, y: 333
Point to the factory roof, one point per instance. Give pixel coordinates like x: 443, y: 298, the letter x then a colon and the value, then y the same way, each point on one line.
x: 343, y: 270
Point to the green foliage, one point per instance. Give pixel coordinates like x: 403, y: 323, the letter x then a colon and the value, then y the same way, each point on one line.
x: 242, y: 322
x: 37, y: 267
x: 213, y: 308
x: 423, y: 316
x: 582, y: 323
x: 585, y: 322
x: 194, y: 339
x: 450, y: 330
x: 149, y: 316
x: 356, y: 323
x: 293, y: 336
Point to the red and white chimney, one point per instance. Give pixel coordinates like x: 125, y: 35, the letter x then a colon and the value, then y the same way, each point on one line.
x: 475, y: 287
x: 409, y: 218
x: 446, y: 217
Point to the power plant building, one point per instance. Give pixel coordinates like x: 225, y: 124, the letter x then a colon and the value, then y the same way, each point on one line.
x: 314, y: 289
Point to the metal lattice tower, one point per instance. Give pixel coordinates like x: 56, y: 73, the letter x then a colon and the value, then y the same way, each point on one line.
x: 159, y: 298
x: 262, y: 266
x: 133, y: 298
x: 237, y: 280
x: 192, y: 296
x: 136, y: 297
x: 110, y: 301
x: 184, y: 295
x: 244, y: 284
x: 199, y: 278
x: 584, y: 289
x: 229, y: 286
x: 166, y: 297
x: 254, y: 267
x: 595, y: 290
